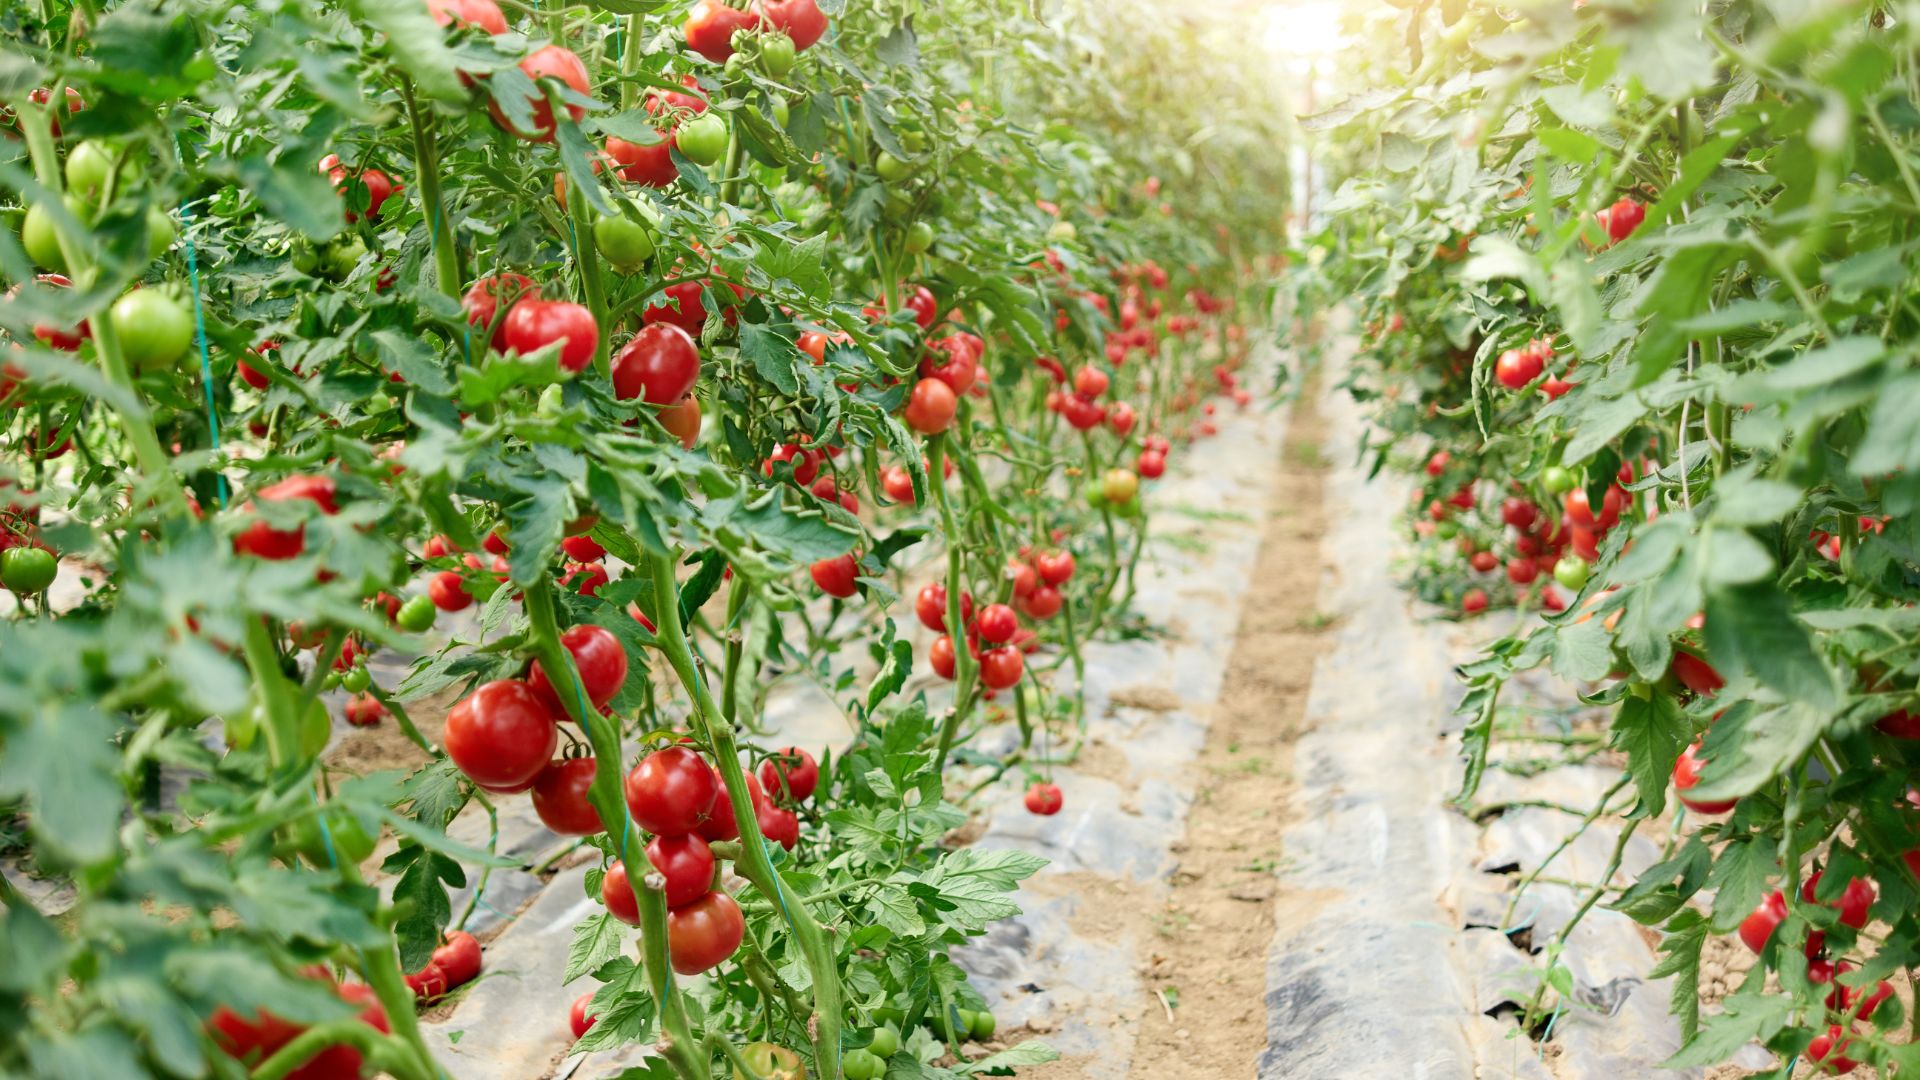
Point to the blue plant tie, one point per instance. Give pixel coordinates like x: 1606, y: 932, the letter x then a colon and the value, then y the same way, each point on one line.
x: 200, y: 334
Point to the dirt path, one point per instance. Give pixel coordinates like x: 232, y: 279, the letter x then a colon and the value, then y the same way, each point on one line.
x: 1206, y: 971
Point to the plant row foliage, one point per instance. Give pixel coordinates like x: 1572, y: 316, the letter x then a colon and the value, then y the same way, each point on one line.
x: 1637, y: 281
x: 669, y: 344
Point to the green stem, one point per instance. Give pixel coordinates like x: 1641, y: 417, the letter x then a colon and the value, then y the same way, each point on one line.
x: 588, y: 261
x: 963, y: 662
x: 282, y: 723
x: 353, y: 1032
x: 754, y: 864
x: 608, y: 796
x: 426, y: 165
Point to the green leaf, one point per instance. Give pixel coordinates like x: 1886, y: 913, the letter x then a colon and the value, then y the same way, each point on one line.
x: 1750, y: 745
x: 1746, y: 1018
x: 412, y: 360
x: 60, y: 760
x: 418, y: 45
x: 1652, y: 732
x: 423, y: 885
x: 302, y: 198
x: 1681, y: 963
x: 147, y: 54
x: 1495, y: 258
x: 1741, y: 874
x: 1892, y: 442
x: 1030, y: 1052
x: 772, y: 355
x: 1582, y: 651
x: 597, y: 939
x: 1751, y: 629
x: 1734, y: 557
x: 1597, y: 422
x: 576, y: 157
x: 1743, y: 497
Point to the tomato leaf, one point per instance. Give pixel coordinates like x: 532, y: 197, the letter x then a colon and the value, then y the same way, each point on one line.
x: 418, y: 45
x: 1652, y: 732
x: 597, y: 939
x: 1751, y: 628
x: 1745, y: 1018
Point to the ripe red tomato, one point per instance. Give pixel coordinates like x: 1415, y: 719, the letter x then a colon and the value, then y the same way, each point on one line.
x: 804, y: 463
x: 459, y: 958
x: 1042, y: 603
x: 659, y: 366
x: 778, y: 825
x: 650, y: 164
x: 837, y: 576
x: 380, y: 187
x: 1852, y: 903
x: 923, y: 305
x: 260, y: 1037
x: 682, y: 420
x: 1518, y: 512
x: 792, y: 771
x: 1025, y: 580
x: 601, y: 660
x: 1151, y: 464
x: 1483, y: 561
x: 1517, y: 367
x: 958, y: 370
x: 428, y: 983
x: 583, y: 549
x: 685, y: 307
x: 1121, y: 419
x: 802, y: 20
x: 711, y: 26
x: 577, y: 1019
x: 997, y: 623
x: 1522, y: 571
x: 617, y: 893
x: 897, y: 482
x: 1001, y: 668
x: 1624, y: 216
x: 720, y: 823
x: 1756, y: 928
x: 448, y: 591
x: 365, y: 710
x: 501, y: 735
x: 703, y: 933
x: 671, y: 791
x: 1829, y: 1050
x: 1579, y: 508
x: 483, y: 301
x: 484, y: 14
x: 1686, y: 775
x: 1696, y: 674
x: 560, y: 797
x: 1055, y: 567
x: 533, y: 324
x: 1474, y: 602
x: 940, y: 655
x: 1044, y: 799
x: 687, y: 865
x: 930, y: 407
x: 553, y: 62
x: 930, y: 606
x: 262, y: 540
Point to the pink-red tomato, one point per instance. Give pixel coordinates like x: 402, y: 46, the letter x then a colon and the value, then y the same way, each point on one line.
x: 578, y: 1021
x: 483, y: 301
x: 459, y: 958
x: 1090, y: 381
x: 1044, y: 799
x: 617, y: 893
x: 1852, y: 903
x: 924, y: 307
x: 930, y: 407
x: 720, y: 823
x: 940, y: 654
x: 659, y: 366
x: 671, y: 791
x: 1474, y: 602
x: 1151, y: 464
x: 997, y: 624
x: 897, y: 482
x: 1696, y: 674
x: 650, y: 164
x: 533, y: 324
x: 1055, y: 567
x: 448, y: 591
x: 560, y: 797
x: 778, y: 824
x: 1043, y: 603
x: 1757, y: 927
x: 262, y: 540
x: 1121, y: 419
x: 802, y: 20
x: 1517, y: 367
x: 711, y: 26
x: 687, y: 865
x: 1829, y: 1051
x: 501, y: 735
x: 682, y: 420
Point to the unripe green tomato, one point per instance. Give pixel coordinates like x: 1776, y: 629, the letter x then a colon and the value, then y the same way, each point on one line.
x: 983, y: 1025
x: 331, y: 682
x: 890, y: 1016
x: 1572, y: 572
x: 553, y: 401
x: 356, y: 679
x: 88, y: 166
x: 891, y: 169
x: 341, y: 257
x: 41, y: 239
x: 776, y: 55
x: 919, y: 238
x: 344, y: 841
x: 26, y: 570
x: 1131, y: 509
x: 160, y: 232
x: 703, y: 139
x: 315, y: 729
x: 1096, y: 494
x: 416, y: 614
x: 625, y: 244
x: 1063, y: 232
x: 780, y: 111
x: 153, y: 328
x: 861, y: 1065
x: 1446, y: 530
x: 304, y: 258
x: 884, y: 1042
x: 1557, y: 480
x: 912, y: 140
x: 898, y: 204
x: 951, y: 1025
x: 772, y: 1062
